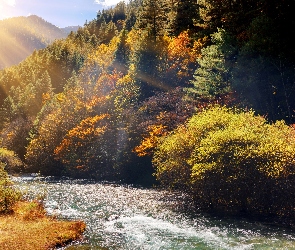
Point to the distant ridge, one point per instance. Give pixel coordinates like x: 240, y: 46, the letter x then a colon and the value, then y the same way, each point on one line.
x: 69, y: 29
x: 20, y: 36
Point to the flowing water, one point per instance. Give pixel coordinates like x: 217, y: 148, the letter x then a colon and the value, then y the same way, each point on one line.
x: 130, y: 218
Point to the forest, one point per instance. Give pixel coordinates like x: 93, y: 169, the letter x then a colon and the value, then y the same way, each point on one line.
x: 193, y: 95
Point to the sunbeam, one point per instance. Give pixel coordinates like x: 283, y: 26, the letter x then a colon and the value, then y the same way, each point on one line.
x: 11, y: 45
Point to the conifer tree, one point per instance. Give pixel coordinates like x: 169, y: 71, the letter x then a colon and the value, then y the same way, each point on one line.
x: 152, y: 16
x: 119, y: 12
x: 183, y: 15
x: 122, y: 53
x: 212, y: 78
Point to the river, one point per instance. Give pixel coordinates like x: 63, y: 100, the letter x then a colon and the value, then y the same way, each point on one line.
x: 132, y: 218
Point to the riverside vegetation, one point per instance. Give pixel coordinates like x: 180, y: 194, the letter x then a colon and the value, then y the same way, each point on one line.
x: 197, y: 96
x: 24, y: 224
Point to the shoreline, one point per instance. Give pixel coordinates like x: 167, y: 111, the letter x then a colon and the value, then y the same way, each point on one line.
x: 28, y: 227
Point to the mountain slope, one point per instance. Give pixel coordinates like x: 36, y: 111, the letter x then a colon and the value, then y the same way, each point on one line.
x: 20, y: 36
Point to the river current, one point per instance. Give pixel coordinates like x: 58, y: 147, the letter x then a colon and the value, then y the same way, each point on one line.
x: 133, y: 218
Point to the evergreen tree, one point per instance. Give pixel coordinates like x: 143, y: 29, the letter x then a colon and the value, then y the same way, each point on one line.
x: 150, y: 24
x: 183, y: 15
x: 119, y: 12
x: 146, y: 60
x: 122, y: 53
x: 212, y: 78
x: 152, y: 16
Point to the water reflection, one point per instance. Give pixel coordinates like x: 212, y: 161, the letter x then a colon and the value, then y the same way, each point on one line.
x: 125, y: 217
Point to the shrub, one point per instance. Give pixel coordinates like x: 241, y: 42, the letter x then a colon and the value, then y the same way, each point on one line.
x: 231, y: 161
x: 8, y: 195
x: 11, y: 160
x: 32, y: 210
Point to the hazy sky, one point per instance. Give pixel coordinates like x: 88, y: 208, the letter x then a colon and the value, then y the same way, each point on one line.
x: 61, y: 13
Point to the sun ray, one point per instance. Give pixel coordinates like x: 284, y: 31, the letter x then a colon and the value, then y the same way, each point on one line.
x: 11, y: 44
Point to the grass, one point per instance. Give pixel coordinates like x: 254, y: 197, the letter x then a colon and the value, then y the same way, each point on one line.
x: 29, y: 228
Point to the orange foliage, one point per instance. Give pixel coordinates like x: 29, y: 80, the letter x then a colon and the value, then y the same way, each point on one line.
x: 45, y: 97
x: 150, y: 142
x: 80, y: 136
x: 106, y: 83
x: 94, y: 101
x: 182, y: 52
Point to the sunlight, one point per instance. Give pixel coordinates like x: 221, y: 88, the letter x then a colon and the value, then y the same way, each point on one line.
x: 7, y: 2
x: 3, y: 7
x: 11, y: 44
x: 152, y: 81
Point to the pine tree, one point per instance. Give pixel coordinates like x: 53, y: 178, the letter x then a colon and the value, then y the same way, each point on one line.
x: 183, y: 16
x: 212, y: 78
x: 119, y: 12
x: 122, y: 53
x: 152, y: 17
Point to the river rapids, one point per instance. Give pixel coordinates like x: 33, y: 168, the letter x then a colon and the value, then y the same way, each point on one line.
x: 134, y: 218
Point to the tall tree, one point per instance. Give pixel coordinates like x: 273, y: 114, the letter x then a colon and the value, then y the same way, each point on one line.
x: 212, y: 77
x: 153, y: 17
x: 121, y: 56
x: 183, y: 16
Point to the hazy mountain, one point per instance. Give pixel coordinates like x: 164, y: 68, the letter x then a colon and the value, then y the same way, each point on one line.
x: 68, y: 29
x: 20, y: 36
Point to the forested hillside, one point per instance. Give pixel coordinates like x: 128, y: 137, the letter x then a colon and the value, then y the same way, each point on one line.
x: 20, y: 36
x: 140, y: 89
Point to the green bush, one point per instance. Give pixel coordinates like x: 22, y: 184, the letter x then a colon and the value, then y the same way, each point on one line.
x: 8, y: 195
x: 231, y: 161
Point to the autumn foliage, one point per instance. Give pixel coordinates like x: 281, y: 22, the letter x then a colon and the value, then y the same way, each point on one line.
x: 127, y: 98
x: 74, y: 148
x: 231, y: 161
x: 183, y: 53
x: 150, y: 142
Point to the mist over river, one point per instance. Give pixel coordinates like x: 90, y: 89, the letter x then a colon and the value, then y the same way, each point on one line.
x: 130, y: 218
